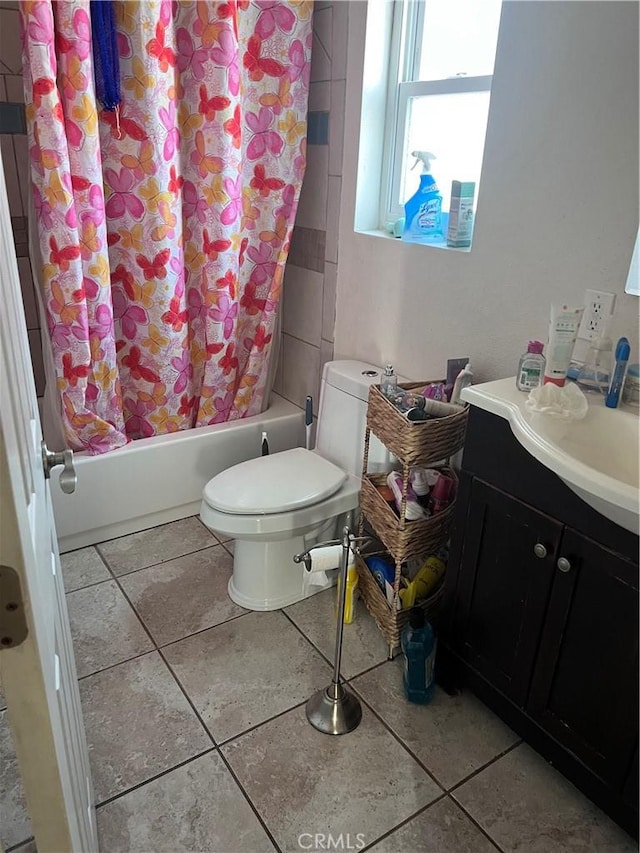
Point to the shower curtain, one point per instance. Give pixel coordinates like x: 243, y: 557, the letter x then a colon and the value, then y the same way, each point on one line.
x: 164, y: 228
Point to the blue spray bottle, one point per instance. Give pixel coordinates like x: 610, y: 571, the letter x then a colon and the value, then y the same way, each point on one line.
x: 423, y: 211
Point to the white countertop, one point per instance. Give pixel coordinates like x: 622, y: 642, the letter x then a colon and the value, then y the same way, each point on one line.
x: 596, y: 457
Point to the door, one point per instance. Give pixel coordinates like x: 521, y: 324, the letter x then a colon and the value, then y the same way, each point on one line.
x: 506, y: 570
x: 585, y: 685
x: 38, y: 675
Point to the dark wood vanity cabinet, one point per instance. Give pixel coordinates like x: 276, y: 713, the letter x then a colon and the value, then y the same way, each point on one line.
x: 541, y: 616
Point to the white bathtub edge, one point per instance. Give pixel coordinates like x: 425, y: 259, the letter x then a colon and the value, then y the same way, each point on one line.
x: 157, y: 480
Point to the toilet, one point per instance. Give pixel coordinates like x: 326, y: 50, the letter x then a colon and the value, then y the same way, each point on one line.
x: 279, y: 505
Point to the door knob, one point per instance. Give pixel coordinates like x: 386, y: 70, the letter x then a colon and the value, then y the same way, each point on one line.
x: 68, y: 477
x: 563, y: 564
x: 539, y: 550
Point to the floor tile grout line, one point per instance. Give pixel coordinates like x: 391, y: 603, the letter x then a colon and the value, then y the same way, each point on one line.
x: 238, y: 735
x: 157, y: 776
x: 400, y: 741
x: 161, y: 562
x: 142, y: 530
x: 187, y: 697
x: 484, y: 766
x: 138, y: 616
x: 19, y: 844
x: 157, y: 645
x: 346, y: 679
x: 367, y: 671
x: 202, y: 630
x: 87, y: 586
x: 117, y: 663
x: 311, y: 643
x: 104, y: 562
x: 244, y: 732
x: 407, y: 820
x: 253, y: 808
x: 421, y: 763
x: 473, y: 820
x: 217, y: 746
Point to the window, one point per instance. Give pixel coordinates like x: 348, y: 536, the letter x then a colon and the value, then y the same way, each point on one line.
x: 441, y: 70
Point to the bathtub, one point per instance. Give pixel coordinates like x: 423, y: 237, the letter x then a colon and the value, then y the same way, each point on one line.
x: 155, y: 480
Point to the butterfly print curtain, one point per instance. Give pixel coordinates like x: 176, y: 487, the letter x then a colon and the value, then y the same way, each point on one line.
x: 164, y: 235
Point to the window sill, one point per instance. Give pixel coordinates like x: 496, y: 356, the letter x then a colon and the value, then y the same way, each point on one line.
x: 386, y: 236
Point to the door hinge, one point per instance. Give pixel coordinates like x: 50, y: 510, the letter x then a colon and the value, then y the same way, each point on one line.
x: 13, y: 624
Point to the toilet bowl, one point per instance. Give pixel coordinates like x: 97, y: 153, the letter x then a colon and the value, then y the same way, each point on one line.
x: 279, y: 505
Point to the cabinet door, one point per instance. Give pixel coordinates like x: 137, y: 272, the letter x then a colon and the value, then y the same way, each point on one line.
x: 504, y: 587
x: 585, y: 685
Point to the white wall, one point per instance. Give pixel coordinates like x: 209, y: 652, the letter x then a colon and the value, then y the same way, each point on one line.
x: 558, y: 206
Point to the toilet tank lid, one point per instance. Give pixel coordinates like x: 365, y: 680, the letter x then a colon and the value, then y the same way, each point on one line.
x: 276, y: 483
x: 352, y: 377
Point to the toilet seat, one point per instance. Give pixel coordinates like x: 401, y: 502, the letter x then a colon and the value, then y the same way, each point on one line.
x: 274, y: 484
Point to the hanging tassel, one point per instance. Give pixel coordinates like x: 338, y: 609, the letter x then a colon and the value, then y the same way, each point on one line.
x: 106, y: 67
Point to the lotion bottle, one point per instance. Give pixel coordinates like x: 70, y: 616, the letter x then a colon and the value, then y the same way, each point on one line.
x: 531, y: 367
x: 463, y: 380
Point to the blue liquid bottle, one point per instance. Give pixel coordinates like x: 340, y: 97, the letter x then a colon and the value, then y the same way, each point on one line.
x: 423, y: 211
x: 419, y: 647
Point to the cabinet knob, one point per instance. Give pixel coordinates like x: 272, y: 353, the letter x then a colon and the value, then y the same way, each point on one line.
x: 563, y: 564
x: 539, y: 550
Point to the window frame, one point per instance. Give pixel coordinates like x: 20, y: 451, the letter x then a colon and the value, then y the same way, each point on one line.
x: 404, y: 67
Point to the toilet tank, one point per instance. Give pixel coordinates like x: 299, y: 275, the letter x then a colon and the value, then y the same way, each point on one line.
x: 342, y: 416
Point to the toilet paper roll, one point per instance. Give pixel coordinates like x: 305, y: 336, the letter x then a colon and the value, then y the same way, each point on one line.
x: 316, y: 579
x: 325, y: 559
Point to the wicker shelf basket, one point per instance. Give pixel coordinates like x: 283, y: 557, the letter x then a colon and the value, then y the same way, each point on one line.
x: 391, y: 622
x: 411, y: 538
x: 417, y: 441
x: 413, y: 443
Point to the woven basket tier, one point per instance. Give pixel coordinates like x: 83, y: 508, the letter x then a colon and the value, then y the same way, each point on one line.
x: 413, y: 538
x: 389, y: 621
x: 417, y: 441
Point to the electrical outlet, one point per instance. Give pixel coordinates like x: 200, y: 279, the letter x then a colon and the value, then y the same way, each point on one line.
x: 598, y: 308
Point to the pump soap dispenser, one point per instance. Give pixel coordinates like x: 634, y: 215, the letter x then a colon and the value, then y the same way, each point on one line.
x: 423, y: 211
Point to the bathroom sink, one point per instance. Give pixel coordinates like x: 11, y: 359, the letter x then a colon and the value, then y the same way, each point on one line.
x: 597, y: 457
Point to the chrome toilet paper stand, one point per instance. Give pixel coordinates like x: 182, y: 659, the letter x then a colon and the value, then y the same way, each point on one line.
x: 334, y: 710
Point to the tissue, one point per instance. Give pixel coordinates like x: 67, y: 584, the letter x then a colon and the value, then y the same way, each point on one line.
x: 567, y: 403
x: 323, y: 560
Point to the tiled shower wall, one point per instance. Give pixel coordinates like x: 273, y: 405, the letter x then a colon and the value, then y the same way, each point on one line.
x: 13, y: 143
x: 310, y: 278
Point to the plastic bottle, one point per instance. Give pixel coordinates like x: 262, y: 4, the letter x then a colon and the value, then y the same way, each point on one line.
x: 460, y: 226
x: 419, y: 647
x: 441, y: 494
x: 623, y: 351
x: 389, y: 383
x: 427, y: 577
x: 350, y: 594
x: 531, y: 367
x: 463, y: 380
x: 423, y: 211
x: 595, y: 374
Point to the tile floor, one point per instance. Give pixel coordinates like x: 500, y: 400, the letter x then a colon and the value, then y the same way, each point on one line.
x: 194, y: 712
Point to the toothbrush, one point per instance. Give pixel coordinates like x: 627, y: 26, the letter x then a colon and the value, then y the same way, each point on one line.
x: 308, y: 420
x: 623, y: 351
